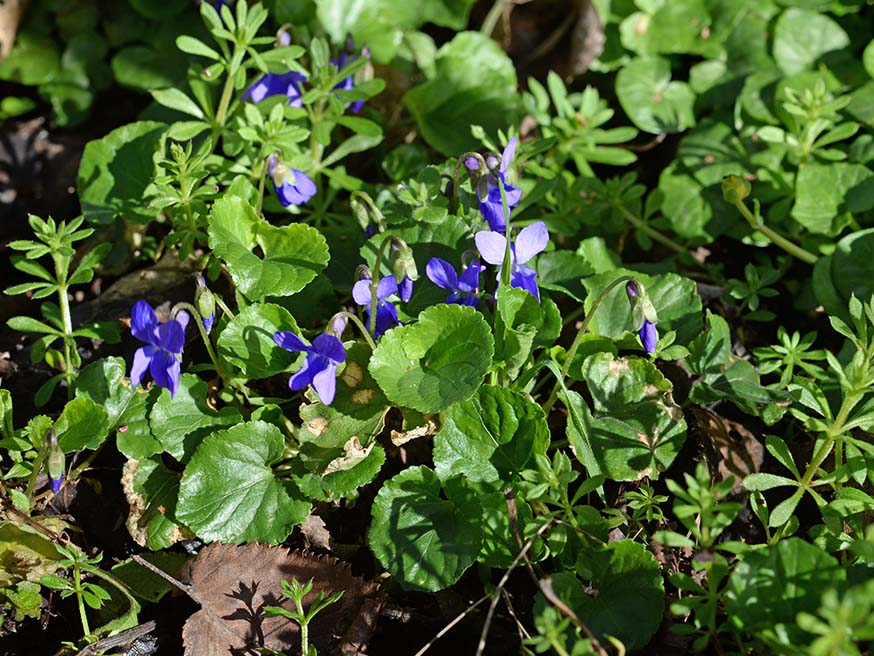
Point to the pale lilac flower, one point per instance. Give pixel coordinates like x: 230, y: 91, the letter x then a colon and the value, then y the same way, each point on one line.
x: 529, y: 242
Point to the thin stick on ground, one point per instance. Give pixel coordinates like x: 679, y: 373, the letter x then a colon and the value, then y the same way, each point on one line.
x: 164, y: 575
x: 545, y: 583
x: 496, y: 595
x: 449, y: 626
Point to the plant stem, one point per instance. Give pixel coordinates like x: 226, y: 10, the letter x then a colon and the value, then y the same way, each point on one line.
x: 757, y: 223
x: 304, y: 627
x: 61, y: 266
x: 261, y: 178
x: 649, y: 231
x: 77, y: 582
x: 206, y: 341
x: 360, y: 326
x: 224, y: 103
x: 374, y: 283
x: 572, y: 351
x: 492, y: 17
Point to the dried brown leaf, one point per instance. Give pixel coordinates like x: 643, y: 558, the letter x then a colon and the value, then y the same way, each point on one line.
x: 730, y: 448
x: 315, y: 533
x: 234, y: 583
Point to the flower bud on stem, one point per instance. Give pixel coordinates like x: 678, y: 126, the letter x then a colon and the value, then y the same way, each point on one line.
x: 575, y: 345
x: 734, y: 190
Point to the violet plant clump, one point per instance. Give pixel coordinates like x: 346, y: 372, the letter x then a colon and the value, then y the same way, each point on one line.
x: 454, y: 432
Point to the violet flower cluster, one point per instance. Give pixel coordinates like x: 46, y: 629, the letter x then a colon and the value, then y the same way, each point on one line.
x: 292, y: 186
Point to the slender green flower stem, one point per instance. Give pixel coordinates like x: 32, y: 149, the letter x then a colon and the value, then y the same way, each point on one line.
x: 757, y: 223
x: 224, y: 103
x: 223, y: 306
x: 374, y: 283
x: 61, y: 266
x: 358, y: 323
x: 37, y: 465
x: 493, y: 17
x: 575, y: 345
x: 508, y: 253
x: 367, y: 200
x: 77, y: 583
x: 74, y: 474
x: 649, y: 231
x: 261, y: 178
x: 198, y: 320
x: 304, y: 628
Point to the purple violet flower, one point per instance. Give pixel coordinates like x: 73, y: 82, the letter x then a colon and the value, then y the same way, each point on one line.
x: 491, y: 206
x: 292, y: 187
x: 347, y: 83
x: 386, y: 312
x: 163, y: 351
x: 529, y: 242
x: 320, y: 366
x: 463, y: 287
x: 277, y: 84
x: 56, y: 483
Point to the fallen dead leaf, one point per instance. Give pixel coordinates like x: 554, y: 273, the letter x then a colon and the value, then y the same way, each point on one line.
x: 233, y: 584
x: 730, y: 448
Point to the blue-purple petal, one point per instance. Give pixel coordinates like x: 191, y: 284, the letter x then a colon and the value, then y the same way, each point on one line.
x: 649, y: 336
x: 493, y: 213
x: 298, y: 192
x: 312, y: 365
x: 508, y: 155
x: 469, y: 280
x: 275, y: 84
x: 530, y: 241
x: 171, y: 336
x: 361, y: 292
x: 525, y: 278
x: 329, y: 347
x: 405, y: 289
x: 165, y: 370
x: 291, y: 342
x: 325, y: 383
x: 491, y: 245
x: 441, y: 273
x: 142, y: 358
x: 387, y: 286
x: 143, y: 322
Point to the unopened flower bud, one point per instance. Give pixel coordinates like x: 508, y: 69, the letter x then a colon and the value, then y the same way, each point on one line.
x: 735, y: 188
x: 403, y: 268
x: 337, y: 325
x: 205, y: 303
x: 362, y: 272
x: 643, y: 315
x: 55, y: 462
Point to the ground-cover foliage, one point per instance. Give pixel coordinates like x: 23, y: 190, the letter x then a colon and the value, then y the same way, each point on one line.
x: 566, y: 347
